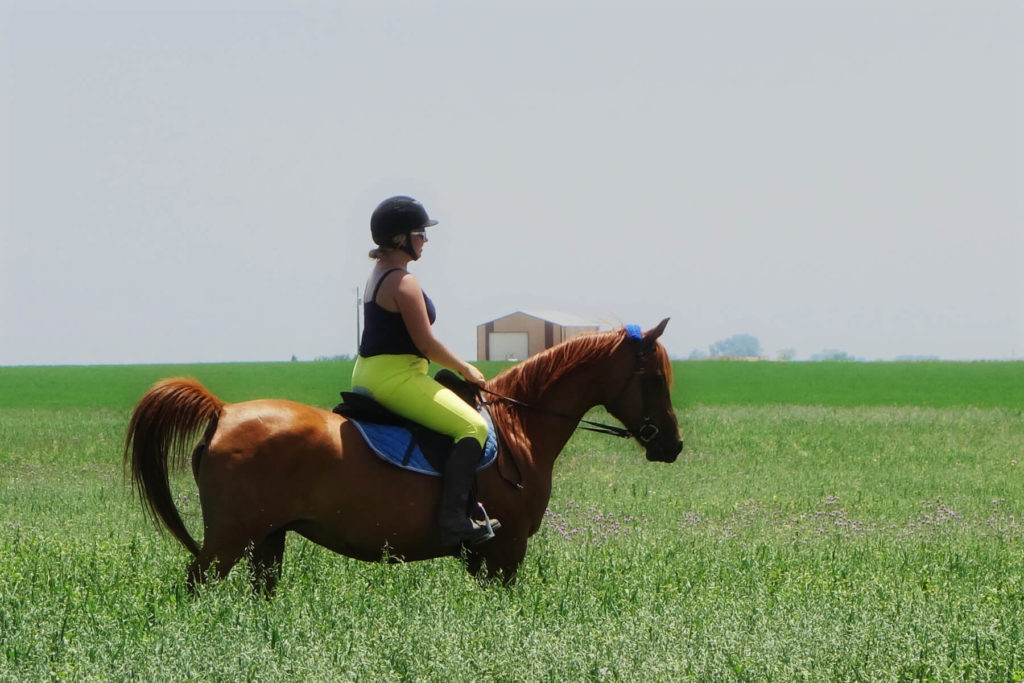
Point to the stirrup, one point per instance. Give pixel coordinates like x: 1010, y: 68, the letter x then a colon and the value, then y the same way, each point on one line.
x: 491, y: 525
x: 479, y: 531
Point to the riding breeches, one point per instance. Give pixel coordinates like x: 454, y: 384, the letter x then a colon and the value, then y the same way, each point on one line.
x: 400, y: 383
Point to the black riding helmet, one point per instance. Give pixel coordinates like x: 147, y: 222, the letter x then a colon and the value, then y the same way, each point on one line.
x: 398, y: 216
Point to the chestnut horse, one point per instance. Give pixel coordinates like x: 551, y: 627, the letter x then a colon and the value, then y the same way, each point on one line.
x: 267, y: 467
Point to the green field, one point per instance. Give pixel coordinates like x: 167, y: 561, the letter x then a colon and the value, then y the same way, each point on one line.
x: 827, y: 521
x: 847, y: 385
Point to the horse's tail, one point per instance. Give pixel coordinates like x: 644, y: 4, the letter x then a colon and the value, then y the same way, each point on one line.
x: 161, y: 428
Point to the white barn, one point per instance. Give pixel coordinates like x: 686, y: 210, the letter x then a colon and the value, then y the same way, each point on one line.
x: 519, y: 335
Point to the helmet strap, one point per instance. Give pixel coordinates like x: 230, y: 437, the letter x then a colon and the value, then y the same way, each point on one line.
x: 407, y: 248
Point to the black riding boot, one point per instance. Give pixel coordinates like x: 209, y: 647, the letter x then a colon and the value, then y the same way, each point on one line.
x: 459, y: 479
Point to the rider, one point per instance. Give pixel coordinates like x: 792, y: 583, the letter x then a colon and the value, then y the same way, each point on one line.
x: 397, y: 343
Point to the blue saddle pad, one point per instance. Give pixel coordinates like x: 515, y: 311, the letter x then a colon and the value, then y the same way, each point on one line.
x: 398, y: 446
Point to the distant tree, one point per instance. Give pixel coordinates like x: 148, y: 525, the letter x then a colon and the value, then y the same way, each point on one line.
x: 697, y: 354
x: 738, y: 346
x: 833, y: 355
x: 787, y: 354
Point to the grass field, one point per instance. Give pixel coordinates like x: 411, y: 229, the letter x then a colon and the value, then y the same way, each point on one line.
x: 843, y: 521
x: 935, y: 385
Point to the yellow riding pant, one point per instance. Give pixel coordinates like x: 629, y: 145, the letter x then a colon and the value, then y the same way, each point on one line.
x: 400, y: 383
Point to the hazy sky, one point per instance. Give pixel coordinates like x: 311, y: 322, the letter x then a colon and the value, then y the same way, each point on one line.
x: 192, y: 181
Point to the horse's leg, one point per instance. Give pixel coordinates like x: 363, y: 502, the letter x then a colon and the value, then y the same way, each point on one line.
x: 198, y: 571
x: 265, y: 562
x: 502, y: 561
x: 217, y: 552
x: 473, y: 562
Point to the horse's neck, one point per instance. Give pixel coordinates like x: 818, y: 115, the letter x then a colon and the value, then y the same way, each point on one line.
x: 573, y: 395
x: 561, y: 407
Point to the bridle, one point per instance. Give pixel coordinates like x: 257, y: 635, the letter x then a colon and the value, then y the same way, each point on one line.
x: 647, y: 431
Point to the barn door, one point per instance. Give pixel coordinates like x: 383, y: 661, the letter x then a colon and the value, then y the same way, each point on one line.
x: 508, y: 345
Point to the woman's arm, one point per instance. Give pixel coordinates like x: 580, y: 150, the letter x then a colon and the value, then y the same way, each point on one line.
x: 409, y: 299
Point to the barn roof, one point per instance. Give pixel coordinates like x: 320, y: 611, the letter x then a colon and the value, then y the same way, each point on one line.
x: 556, y: 317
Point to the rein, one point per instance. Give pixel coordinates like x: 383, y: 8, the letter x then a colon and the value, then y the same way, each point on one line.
x: 599, y: 427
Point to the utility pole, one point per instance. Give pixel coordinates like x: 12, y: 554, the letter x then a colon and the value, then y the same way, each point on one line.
x: 359, y: 329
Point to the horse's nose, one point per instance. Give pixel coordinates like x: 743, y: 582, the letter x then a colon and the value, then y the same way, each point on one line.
x: 675, y: 450
x: 667, y: 451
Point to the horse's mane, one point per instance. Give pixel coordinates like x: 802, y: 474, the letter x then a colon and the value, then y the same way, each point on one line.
x: 528, y: 381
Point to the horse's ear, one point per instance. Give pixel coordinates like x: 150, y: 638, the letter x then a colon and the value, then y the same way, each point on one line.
x: 651, y: 336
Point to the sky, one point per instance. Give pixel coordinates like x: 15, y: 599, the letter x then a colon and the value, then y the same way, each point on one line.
x: 192, y: 181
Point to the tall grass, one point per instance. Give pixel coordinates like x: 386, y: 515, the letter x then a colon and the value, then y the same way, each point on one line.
x: 790, y: 542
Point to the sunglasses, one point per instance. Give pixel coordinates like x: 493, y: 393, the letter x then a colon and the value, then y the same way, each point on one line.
x: 419, y: 233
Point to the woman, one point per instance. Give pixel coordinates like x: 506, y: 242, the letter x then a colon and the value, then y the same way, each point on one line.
x: 394, y: 351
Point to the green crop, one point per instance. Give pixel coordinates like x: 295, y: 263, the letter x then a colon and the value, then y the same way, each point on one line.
x: 825, y: 522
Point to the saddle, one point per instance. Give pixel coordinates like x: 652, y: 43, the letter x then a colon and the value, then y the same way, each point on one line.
x: 405, y: 443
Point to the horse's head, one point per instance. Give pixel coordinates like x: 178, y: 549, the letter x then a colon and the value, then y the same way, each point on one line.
x: 644, y: 404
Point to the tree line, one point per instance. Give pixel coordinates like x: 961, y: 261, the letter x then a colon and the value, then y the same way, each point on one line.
x: 748, y: 346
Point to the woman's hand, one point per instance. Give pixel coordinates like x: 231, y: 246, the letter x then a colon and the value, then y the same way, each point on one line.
x: 473, y: 375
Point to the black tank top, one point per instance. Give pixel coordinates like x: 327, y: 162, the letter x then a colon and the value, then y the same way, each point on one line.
x: 385, y: 331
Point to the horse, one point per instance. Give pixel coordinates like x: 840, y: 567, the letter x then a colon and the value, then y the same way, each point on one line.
x: 266, y: 467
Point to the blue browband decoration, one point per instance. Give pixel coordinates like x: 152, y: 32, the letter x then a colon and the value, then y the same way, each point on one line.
x: 634, y: 332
